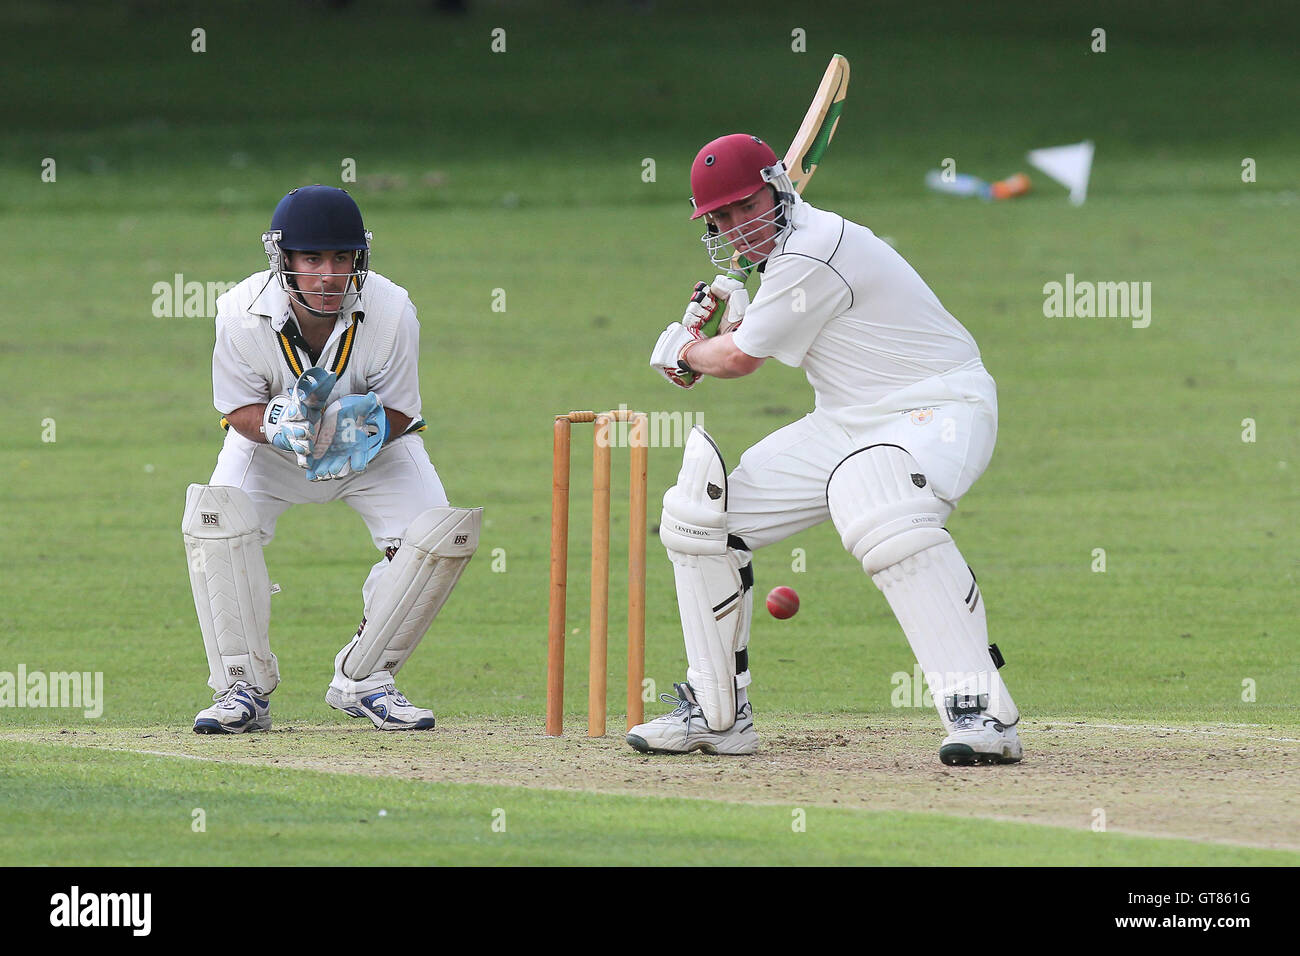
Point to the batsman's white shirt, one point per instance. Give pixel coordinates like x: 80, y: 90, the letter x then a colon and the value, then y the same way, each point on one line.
x: 259, y: 354
x: 887, y: 363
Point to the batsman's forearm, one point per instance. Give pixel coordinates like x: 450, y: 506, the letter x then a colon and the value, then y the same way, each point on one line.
x: 248, y: 422
x: 720, y: 357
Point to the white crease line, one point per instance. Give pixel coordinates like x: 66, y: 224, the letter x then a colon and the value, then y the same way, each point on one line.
x: 157, y: 753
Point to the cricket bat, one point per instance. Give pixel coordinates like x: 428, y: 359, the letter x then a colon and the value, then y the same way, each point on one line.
x: 815, y: 132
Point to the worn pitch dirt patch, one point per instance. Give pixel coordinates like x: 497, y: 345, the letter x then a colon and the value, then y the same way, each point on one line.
x: 1227, y: 784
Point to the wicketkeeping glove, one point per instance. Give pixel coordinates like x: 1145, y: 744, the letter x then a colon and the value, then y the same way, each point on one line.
x: 351, y: 432
x: 291, y: 420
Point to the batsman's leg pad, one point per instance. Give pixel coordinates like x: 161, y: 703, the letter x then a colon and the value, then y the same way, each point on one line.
x: 695, y: 509
x: 232, y: 592
x: 715, y: 599
x: 890, y: 520
x: 714, y: 581
x: 882, y: 506
x: 426, y: 566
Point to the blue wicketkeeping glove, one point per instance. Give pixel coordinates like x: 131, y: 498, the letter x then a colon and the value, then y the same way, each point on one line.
x: 291, y: 420
x: 351, y: 432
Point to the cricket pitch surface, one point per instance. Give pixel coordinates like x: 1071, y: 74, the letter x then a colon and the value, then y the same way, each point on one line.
x: 1231, y: 784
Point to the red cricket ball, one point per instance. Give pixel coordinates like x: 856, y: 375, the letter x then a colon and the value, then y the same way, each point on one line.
x: 782, y: 602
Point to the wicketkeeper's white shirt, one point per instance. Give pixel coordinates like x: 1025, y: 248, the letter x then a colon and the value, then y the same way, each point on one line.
x: 842, y: 305
x: 374, y: 348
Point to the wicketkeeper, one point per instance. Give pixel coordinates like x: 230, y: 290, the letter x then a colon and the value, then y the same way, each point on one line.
x: 316, y: 372
x: 904, y: 423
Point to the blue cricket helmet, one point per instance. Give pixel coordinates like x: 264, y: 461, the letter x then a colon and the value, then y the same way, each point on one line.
x: 319, y: 218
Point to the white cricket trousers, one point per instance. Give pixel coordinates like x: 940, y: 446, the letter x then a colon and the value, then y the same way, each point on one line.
x: 949, y: 424
x: 400, y: 484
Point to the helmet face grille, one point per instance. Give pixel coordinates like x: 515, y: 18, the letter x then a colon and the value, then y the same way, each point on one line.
x: 722, y: 246
x: 299, y: 285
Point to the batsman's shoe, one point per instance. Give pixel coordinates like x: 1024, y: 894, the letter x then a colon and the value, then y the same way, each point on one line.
x: 685, y: 729
x: 978, y: 738
x: 386, y: 708
x: 235, y: 711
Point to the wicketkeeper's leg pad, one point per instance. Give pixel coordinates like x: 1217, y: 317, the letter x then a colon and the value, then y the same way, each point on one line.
x: 890, y: 520
x: 232, y: 592
x: 714, y: 580
x: 430, y: 559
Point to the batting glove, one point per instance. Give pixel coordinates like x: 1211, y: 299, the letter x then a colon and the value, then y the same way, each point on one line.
x: 731, y: 291
x: 703, y: 311
x: 716, y: 307
x: 666, y: 359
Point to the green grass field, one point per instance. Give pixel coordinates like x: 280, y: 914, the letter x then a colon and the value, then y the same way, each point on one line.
x: 1168, y: 681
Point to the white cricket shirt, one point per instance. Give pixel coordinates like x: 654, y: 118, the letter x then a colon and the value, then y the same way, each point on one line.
x: 259, y: 354
x: 842, y: 305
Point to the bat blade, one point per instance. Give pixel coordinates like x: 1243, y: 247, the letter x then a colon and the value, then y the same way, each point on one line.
x: 818, y: 126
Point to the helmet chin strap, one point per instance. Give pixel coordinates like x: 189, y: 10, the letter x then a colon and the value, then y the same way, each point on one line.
x: 721, y: 246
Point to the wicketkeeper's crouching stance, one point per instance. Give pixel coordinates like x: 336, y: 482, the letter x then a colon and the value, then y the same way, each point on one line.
x: 905, y: 421
x: 315, y: 370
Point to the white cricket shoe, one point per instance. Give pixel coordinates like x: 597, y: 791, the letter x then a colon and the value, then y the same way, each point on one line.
x: 386, y: 708
x: 686, y: 730
x: 237, y: 710
x: 978, y: 738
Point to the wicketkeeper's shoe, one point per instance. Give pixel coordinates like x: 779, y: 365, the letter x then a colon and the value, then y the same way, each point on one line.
x: 235, y: 711
x: 685, y: 729
x: 978, y: 738
x: 386, y: 708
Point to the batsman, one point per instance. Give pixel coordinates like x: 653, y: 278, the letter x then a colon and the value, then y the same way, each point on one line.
x: 315, y: 370
x: 904, y: 422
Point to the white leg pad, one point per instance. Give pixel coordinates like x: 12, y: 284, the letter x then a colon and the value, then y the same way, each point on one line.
x: 429, y: 561
x: 889, y: 519
x: 936, y: 600
x: 714, y: 581
x: 232, y: 592
x: 716, y: 607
